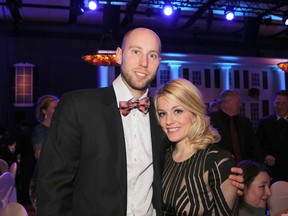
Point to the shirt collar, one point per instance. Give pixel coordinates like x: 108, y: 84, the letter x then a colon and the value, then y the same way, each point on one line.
x: 122, y: 92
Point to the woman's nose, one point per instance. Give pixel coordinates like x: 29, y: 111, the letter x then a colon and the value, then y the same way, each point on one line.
x: 268, y: 191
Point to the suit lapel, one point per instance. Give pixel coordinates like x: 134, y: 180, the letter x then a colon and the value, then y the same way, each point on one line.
x: 116, y: 140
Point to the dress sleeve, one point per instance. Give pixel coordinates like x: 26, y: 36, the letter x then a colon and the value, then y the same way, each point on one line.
x: 223, y: 192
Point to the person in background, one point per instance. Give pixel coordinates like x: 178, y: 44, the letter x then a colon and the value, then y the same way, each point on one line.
x: 213, y: 106
x: 26, y: 161
x: 44, y: 112
x: 257, y: 180
x: 46, y: 106
x: 195, y: 178
x: 237, y: 134
x: 103, y: 154
x: 272, y: 132
x: 7, y: 146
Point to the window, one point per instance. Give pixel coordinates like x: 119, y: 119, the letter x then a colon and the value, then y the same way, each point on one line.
x: 186, y: 73
x: 207, y: 78
x: 196, y: 77
x: 255, y: 79
x: 164, y: 76
x: 23, y: 85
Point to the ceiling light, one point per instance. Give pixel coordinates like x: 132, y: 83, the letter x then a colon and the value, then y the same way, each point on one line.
x: 102, y: 58
x: 168, y: 9
x: 106, y: 55
x: 229, y: 13
x: 283, y: 66
x: 92, y: 5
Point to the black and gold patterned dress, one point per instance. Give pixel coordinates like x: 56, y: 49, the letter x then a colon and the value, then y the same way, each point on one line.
x: 200, y: 184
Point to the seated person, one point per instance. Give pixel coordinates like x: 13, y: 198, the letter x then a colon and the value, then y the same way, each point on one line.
x: 257, y: 180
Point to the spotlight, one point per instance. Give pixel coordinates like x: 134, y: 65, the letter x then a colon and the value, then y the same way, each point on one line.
x: 92, y: 5
x: 285, y: 18
x: 168, y: 9
x: 229, y: 13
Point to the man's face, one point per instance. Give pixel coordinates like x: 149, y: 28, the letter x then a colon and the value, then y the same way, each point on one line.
x: 139, y: 59
x: 281, y: 105
x: 234, y: 104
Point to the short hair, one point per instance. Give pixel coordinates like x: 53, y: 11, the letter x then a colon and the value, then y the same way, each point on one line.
x: 187, y: 95
x: 226, y: 95
x: 281, y: 92
x: 251, y: 169
x: 43, y: 103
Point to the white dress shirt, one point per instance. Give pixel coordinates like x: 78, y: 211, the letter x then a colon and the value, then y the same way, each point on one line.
x: 139, y: 155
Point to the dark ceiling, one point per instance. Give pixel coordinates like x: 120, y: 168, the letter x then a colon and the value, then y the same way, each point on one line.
x: 198, y: 27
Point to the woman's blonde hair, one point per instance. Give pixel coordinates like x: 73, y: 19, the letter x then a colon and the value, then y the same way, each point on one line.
x: 42, y: 104
x: 189, y: 97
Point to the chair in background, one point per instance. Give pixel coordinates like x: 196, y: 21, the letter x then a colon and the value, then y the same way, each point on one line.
x: 4, y: 167
x: 6, y: 186
x: 278, y: 201
x: 14, y: 209
x: 13, y: 171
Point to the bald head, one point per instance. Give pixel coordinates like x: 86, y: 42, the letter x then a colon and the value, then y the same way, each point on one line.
x: 141, y: 32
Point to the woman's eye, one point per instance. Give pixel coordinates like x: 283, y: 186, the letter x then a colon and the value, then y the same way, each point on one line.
x: 161, y: 114
x: 178, y: 111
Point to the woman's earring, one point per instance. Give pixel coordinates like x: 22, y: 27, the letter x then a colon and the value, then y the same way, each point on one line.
x: 45, y: 116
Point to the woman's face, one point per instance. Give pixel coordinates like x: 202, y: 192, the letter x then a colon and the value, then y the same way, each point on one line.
x: 174, y: 119
x: 258, y: 192
x: 50, y: 109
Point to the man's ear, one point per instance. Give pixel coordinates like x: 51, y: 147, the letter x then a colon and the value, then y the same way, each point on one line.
x: 119, y: 55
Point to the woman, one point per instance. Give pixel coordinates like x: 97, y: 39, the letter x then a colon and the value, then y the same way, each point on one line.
x: 257, y: 181
x: 45, y: 109
x: 195, y: 179
x: 46, y: 106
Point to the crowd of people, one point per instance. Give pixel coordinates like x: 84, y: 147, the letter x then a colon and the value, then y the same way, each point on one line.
x: 112, y: 151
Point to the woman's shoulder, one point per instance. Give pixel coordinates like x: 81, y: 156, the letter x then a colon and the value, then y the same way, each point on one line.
x: 217, y: 154
x: 217, y: 150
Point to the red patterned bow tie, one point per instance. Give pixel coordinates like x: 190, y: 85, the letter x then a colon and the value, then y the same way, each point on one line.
x: 142, y: 105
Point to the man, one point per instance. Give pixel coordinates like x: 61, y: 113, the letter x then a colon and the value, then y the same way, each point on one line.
x: 272, y: 132
x: 242, y: 141
x: 96, y: 161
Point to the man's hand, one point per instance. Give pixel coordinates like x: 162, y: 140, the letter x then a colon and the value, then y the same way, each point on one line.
x: 237, y: 179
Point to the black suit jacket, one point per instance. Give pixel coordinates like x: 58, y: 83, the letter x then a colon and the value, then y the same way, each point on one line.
x: 83, y: 160
x: 267, y: 133
x: 249, y: 145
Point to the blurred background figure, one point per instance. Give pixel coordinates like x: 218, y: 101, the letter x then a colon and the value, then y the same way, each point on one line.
x: 44, y: 112
x: 237, y: 134
x: 278, y: 201
x: 213, y: 106
x: 26, y: 161
x: 7, y: 146
x: 272, y: 132
x: 46, y: 106
x: 257, y: 181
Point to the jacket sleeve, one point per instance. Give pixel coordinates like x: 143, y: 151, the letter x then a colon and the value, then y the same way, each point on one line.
x: 58, y: 162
